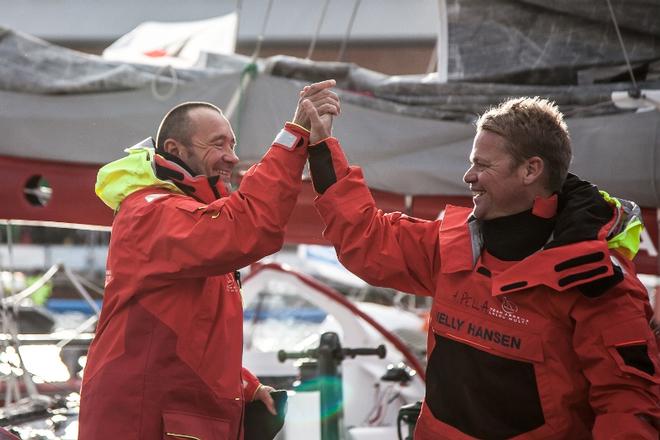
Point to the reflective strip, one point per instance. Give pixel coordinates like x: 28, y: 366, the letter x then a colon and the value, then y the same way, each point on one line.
x: 286, y: 140
x: 174, y: 434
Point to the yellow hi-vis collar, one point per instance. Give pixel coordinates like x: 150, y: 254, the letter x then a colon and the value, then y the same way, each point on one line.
x: 121, y: 178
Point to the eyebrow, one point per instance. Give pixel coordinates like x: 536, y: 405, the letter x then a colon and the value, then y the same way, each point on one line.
x: 478, y: 160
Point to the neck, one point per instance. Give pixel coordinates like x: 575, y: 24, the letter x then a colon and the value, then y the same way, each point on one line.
x: 514, y: 237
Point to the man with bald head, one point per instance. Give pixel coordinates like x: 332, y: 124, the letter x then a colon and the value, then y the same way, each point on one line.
x: 166, y: 361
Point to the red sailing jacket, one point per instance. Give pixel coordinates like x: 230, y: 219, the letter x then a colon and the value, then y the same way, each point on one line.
x: 166, y: 359
x: 515, y: 350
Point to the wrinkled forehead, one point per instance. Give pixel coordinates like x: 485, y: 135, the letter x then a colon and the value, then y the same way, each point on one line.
x: 208, y: 122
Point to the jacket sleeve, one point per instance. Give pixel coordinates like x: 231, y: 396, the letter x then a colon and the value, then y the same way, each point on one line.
x: 389, y: 250
x: 619, y: 354
x: 181, y: 237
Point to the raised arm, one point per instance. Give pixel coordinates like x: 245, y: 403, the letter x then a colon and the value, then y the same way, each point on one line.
x: 391, y: 250
x: 181, y: 237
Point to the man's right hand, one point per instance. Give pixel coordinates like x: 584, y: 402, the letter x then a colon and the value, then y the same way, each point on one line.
x: 325, y: 101
x: 320, y: 126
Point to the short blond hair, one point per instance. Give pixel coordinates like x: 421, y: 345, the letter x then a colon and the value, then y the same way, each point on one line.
x: 533, y: 127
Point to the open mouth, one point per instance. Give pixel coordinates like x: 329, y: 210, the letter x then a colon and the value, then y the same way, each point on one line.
x: 224, y: 174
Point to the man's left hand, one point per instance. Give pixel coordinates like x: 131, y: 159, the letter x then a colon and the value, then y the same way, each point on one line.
x: 324, y: 100
x: 263, y: 394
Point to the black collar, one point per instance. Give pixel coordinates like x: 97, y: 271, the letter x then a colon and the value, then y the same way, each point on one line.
x: 514, y: 237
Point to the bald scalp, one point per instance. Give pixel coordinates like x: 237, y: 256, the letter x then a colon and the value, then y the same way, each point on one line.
x: 177, y: 124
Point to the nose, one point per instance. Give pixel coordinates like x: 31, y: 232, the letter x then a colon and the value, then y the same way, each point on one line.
x: 470, y: 176
x: 231, y: 157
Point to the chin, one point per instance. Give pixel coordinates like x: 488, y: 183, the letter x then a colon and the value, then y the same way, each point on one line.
x: 478, y: 213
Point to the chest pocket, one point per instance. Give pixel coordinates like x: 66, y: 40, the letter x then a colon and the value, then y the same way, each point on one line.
x: 481, y: 377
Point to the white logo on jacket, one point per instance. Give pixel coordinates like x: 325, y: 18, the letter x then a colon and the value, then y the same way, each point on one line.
x: 508, y: 306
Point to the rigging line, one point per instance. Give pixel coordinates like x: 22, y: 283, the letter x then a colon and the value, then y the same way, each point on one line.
x: 349, y: 29
x: 78, y: 331
x: 636, y: 91
x: 81, y: 290
x: 9, y: 325
x: 433, y: 59
x: 90, y: 285
x: 260, y: 37
x: 441, y: 49
x: 4, y: 311
x: 239, y: 10
x: 312, y: 44
x: 16, y: 299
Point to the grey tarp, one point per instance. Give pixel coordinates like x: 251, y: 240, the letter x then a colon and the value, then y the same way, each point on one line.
x: 547, y: 41
x: 411, y: 134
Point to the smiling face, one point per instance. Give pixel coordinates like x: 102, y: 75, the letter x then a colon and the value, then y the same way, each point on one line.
x: 499, y: 186
x: 212, y: 141
x: 204, y: 141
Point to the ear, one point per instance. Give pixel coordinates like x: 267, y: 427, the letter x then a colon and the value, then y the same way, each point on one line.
x: 533, y: 170
x: 173, y: 147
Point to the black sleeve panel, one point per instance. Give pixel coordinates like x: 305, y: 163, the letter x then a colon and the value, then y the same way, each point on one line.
x: 601, y: 286
x: 637, y: 356
x: 321, y: 168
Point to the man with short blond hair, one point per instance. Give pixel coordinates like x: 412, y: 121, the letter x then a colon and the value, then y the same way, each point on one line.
x: 532, y: 127
x: 539, y: 327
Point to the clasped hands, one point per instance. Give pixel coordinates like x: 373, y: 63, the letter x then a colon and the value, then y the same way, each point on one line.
x: 317, y: 105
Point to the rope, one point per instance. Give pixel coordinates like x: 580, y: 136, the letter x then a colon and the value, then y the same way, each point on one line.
x: 78, y: 331
x: 12, y: 391
x: 440, y: 55
x: 433, y: 59
x: 81, y: 290
x: 237, y: 101
x: 635, y: 92
x: 239, y: 11
x: 349, y: 28
x: 312, y: 44
x: 154, y: 87
x: 15, y: 300
x: 260, y: 38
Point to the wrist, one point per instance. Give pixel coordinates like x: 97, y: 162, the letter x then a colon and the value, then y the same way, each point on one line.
x: 291, y: 137
x: 259, y: 387
x: 315, y: 142
x: 297, y: 127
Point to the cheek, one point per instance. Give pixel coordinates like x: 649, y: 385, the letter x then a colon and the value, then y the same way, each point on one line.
x: 209, y: 158
x: 207, y: 155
